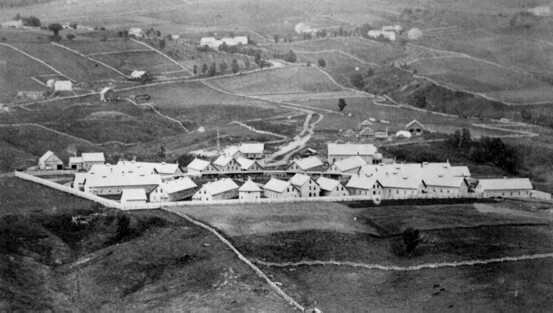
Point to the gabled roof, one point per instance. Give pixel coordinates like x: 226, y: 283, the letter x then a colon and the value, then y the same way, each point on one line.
x: 46, y: 156
x: 505, y: 184
x: 116, y: 178
x: 245, y: 164
x: 444, y: 181
x: 222, y: 160
x: 75, y: 160
x: 351, y: 149
x: 149, y: 167
x: 220, y: 186
x: 93, y: 157
x: 308, y: 163
x: 177, y: 185
x: 414, y: 122
x: 400, y: 182
x: 327, y: 183
x: 252, y: 148
x: 299, y: 180
x: 198, y: 164
x: 134, y: 194
x: 249, y: 186
x: 361, y: 182
x: 349, y: 163
x: 276, y: 185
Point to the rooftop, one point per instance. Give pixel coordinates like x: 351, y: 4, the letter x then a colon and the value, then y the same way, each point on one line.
x: 249, y: 186
x: 220, y: 186
x: 308, y: 163
x: 351, y: 149
x: 198, y: 164
x: 299, y: 179
x: 327, y: 183
x: 93, y: 157
x: 505, y: 184
x: 276, y: 185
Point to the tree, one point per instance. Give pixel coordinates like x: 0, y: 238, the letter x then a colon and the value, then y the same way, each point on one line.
x: 276, y: 38
x: 70, y: 36
x: 247, y: 63
x: 212, y: 70
x: 455, y: 139
x: 195, y: 69
x: 223, y: 67
x: 411, y: 239
x: 235, y: 67
x: 31, y: 21
x: 322, y: 63
x: 290, y: 57
x: 158, y: 33
x: 466, y: 139
x: 357, y: 80
x: 162, y: 44
x: 419, y: 99
x: 204, y: 68
x: 55, y: 28
x: 257, y: 57
x: 342, y: 104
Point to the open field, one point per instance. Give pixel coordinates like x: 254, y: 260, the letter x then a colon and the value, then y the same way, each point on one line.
x: 479, y: 77
x: 279, y: 81
x: 127, y: 62
x: 88, y: 47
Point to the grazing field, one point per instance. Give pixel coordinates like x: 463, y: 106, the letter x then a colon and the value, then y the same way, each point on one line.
x: 70, y: 64
x: 475, y: 76
x: 17, y: 74
x: 279, y: 81
x: 127, y: 62
x: 96, y: 46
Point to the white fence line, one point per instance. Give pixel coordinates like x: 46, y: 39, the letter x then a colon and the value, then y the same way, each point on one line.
x: 103, y: 201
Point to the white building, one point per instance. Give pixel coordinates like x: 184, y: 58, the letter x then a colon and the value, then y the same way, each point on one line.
x: 350, y: 165
x: 111, y: 180
x: 307, y: 164
x: 248, y: 165
x: 50, y: 161
x: 337, y: 152
x: 414, y: 34
x: 307, y: 187
x: 222, y: 189
x: 276, y: 188
x: 446, y: 186
x: 173, y: 190
x: 92, y: 158
x: 12, y: 24
x: 302, y: 28
x: 505, y: 187
x: 249, y: 191
x: 332, y: 188
x: 250, y: 151
x: 76, y: 163
x: 63, y: 85
x: 390, y: 35
x: 133, y: 196
x: 164, y: 169
x: 214, y: 43
x: 227, y: 164
x: 137, y: 32
x: 392, y: 28
x: 198, y: 167
x: 362, y: 185
x: 401, y: 186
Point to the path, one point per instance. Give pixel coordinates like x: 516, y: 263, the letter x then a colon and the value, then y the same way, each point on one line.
x: 90, y: 59
x: 264, y: 132
x: 409, y: 268
x: 338, y: 51
x: 162, y: 54
x: 240, y: 256
x: 50, y: 130
x: 37, y: 59
x: 159, y: 113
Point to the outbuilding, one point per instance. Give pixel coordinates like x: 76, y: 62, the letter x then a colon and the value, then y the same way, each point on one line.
x: 49, y: 161
x: 249, y: 191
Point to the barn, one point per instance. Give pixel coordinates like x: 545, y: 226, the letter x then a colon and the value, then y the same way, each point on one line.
x: 49, y: 161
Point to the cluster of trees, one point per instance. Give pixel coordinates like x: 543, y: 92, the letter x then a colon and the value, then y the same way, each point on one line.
x: 289, y: 56
x: 223, y: 68
x: 31, y: 21
x: 524, y: 19
x: 485, y: 151
x: 543, y: 119
x: 357, y: 80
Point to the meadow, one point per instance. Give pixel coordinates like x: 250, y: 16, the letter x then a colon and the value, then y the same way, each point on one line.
x: 127, y: 62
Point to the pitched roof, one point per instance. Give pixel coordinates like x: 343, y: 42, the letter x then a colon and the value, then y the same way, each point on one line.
x: 276, y: 185
x: 220, y: 186
x: 349, y: 163
x: 93, y: 157
x: 177, y: 185
x: 400, y: 182
x: 505, y: 184
x: 414, y: 122
x: 149, y: 167
x: 46, y: 156
x: 198, y: 164
x: 117, y: 178
x: 308, y: 163
x: 351, y: 149
x: 299, y: 179
x: 361, y: 182
x: 75, y: 160
x: 327, y: 183
x: 444, y: 181
x: 250, y: 148
x: 250, y: 186
x: 134, y: 194
x: 245, y: 163
x: 222, y: 160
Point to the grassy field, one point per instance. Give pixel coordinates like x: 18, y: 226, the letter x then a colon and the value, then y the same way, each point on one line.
x: 502, y: 84
x: 87, y: 47
x: 279, y: 81
x: 128, y: 62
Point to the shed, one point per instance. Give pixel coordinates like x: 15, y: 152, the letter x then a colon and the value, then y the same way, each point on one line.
x: 49, y: 161
x: 415, y: 128
x: 63, y: 85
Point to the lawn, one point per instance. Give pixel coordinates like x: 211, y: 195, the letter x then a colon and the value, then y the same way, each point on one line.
x: 289, y: 80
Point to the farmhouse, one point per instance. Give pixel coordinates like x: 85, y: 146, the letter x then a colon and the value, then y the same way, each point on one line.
x: 307, y: 187
x: 403, y: 134
x: 276, y: 188
x: 249, y: 191
x: 210, y: 42
x: 362, y: 185
x: 443, y: 186
x: 49, y: 161
x: 248, y: 165
x: 133, y: 196
x: 390, y: 35
x: 214, y: 43
x: 308, y: 164
x: 350, y: 165
x: 60, y: 85
x: 222, y: 189
x: 238, y: 40
x: 332, y: 188
x: 337, y: 152
x: 415, y: 128
x: 138, y: 74
x: 302, y: 28
x: 505, y: 187
x: 198, y: 167
x: 137, y: 32
x: 227, y: 164
x: 76, y: 163
x: 173, y: 190
x: 92, y: 158
x: 12, y: 24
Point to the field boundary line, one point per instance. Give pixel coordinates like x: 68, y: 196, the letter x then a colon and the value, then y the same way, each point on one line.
x: 264, y: 132
x: 117, y: 52
x: 51, y: 130
x: 90, y: 59
x: 37, y: 59
x: 163, y: 54
x: 256, y: 269
x: 351, y: 56
x: 159, y: 113
x: 408, y: 268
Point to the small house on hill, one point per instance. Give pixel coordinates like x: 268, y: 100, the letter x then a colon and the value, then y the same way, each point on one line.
x: 249, y: 191
x: 414, y: 34
x: 49, y: 161
x: 63, y: 85
x: 76, y: 163
x: 415, y: 128
x: 136, y: 32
